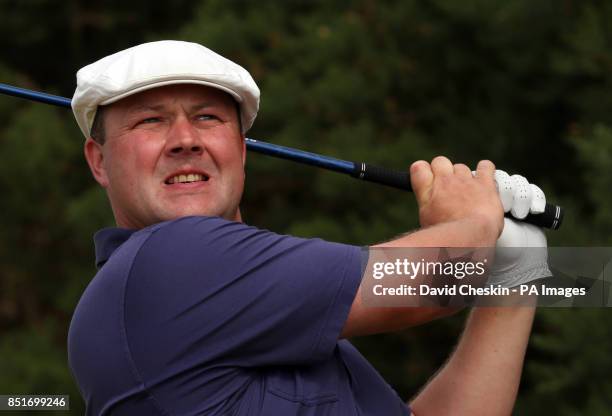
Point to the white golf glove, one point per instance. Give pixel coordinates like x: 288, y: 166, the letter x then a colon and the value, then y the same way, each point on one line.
x: 519, y: 196
x: 521, y: 253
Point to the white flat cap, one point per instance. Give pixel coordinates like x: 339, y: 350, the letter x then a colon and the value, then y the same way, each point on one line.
x: 154, y: 64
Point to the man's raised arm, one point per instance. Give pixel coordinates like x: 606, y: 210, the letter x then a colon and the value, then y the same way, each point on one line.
x: 456, y: 209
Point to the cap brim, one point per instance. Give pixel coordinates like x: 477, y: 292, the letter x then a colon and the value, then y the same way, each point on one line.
x: 172, y: 82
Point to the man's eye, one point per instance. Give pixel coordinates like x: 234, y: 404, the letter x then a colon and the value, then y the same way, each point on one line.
x: 150, y: 120
x: 205, y: 117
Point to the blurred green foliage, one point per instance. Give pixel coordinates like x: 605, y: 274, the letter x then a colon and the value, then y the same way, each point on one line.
x: 525, y: 84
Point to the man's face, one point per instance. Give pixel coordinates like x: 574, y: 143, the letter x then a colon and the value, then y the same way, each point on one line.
x: 171, y: 152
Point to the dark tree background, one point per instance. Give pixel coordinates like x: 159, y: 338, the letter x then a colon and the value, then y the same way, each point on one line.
x: 525, y: 84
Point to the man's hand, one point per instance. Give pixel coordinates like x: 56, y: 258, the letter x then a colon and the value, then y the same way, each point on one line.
x: 489, y: 358
x: 447, y: 192
x: 518, y: 196
x: 520, y: 254
x: 457, y: 209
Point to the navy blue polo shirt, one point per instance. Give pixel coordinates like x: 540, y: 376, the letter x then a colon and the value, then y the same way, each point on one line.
x: 203, y: 316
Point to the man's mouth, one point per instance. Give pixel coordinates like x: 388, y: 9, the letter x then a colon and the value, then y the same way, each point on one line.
x: 186, y: 178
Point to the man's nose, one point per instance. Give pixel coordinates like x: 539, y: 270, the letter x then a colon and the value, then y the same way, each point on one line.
x: 184, y: 139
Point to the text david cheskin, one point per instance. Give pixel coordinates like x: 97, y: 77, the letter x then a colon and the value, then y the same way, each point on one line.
x: 412, y: 269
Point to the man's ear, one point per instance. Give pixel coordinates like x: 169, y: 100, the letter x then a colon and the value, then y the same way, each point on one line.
x: 95, y: 160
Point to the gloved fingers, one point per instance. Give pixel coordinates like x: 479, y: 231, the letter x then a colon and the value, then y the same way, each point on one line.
x: 505, y: 189
x: 518, y: 196
x: 538, y: 200
x: 521, y: 197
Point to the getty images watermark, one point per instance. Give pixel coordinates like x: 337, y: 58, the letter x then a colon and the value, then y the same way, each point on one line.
x: 553, y: 277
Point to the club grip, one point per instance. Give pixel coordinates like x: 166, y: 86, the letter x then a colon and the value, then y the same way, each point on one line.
x: 383, y: 176
x: 551, y: 218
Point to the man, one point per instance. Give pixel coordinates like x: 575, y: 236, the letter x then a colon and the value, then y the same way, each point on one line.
x: 193, y: 312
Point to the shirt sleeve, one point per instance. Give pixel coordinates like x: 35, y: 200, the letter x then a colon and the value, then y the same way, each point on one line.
x: 206, y: 289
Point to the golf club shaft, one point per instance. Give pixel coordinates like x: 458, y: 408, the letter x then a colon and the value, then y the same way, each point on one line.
x: 550, y: 218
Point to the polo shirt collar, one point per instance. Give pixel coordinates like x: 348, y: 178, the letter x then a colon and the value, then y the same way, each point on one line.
x: 107, y: 240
